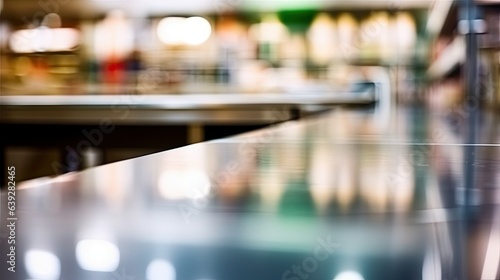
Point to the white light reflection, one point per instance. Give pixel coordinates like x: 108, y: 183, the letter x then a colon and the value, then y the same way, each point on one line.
x: 160, y: 270
x: 183, y: 184
x: 492, y: 259
x: 431, y: 269
x: 97, y: 255
x: 349, y: 275
x: 42, y: 265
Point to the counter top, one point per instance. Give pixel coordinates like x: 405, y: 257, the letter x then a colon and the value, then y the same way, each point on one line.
x: 170, y: 109
x: 342, y: 191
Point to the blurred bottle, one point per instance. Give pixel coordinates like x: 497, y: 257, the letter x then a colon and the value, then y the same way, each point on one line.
x: 322, y: 40
x: 134, y: 66
x: 347, y: 42
x: 113, y: 43
x: 269, y: 34
x: 39, y: 76
x: 230, y: 39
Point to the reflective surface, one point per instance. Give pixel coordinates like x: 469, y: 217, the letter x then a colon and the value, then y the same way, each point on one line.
x: 343, y: 195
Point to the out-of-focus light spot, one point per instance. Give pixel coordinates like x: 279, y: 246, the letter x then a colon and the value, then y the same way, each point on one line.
x: 170, y: 30
x: 160, y: 270
x: 197, y: 30
x: 44, y: 39
x: 349, y: 275
x: 183, y: 184
x: 42, y: 265
x: 178, y: 30
x: 97, y: 255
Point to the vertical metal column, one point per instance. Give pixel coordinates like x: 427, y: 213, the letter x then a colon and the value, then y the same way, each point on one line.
x: 472, y: 94
x: 468, y: 27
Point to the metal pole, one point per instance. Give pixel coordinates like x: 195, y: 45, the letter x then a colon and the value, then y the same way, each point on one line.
x: 472, y: 101
x: 467, y: 26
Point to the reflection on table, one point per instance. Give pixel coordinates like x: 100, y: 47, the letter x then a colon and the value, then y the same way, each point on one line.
x: 343, y: 195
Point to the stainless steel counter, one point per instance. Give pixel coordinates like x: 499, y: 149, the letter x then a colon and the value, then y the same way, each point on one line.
x: 63, y: 123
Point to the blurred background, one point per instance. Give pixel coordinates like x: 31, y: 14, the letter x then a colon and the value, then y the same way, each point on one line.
x: 332, y: 139
x: 129, y: 47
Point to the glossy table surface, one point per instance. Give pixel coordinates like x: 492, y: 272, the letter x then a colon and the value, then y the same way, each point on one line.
x: 342, y: 195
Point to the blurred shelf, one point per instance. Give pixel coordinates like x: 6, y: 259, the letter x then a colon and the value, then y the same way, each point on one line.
x: 14, y: 9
